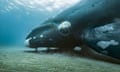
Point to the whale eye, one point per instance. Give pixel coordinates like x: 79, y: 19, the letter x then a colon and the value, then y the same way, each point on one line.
x: 64, y: 28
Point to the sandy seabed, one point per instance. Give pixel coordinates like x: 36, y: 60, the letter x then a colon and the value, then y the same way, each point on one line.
x: 21, y: 59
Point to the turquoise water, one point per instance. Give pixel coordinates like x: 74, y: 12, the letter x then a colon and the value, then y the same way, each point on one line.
x: 19, y: 17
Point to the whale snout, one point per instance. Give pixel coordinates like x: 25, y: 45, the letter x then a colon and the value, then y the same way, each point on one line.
x: 27, y: 42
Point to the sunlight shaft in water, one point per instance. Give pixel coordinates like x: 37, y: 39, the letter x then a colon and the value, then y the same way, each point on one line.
x: 37, y: 5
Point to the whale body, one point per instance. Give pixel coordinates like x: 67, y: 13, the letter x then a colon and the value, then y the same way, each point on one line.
x: 91, y: 23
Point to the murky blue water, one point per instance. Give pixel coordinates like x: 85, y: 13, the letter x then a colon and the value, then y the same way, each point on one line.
x: 19, y: 17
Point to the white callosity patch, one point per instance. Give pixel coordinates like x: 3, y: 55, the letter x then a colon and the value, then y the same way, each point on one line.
x: 100, y: 32
x: 108, y: 31
x: 106, y: 44
x: 105, y: 28
x: 108, y: 28
x: 41, y: 36
x: 104, y: 31
x: 34, y: 37
x: 27, y: 43
x: 65, y: 24
x: 77, y: 48
x: 64, y: 28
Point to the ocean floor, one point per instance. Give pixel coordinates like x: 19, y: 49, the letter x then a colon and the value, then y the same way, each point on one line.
x: 22, y: 59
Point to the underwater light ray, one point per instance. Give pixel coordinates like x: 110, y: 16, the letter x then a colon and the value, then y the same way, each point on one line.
x: 37, y: 5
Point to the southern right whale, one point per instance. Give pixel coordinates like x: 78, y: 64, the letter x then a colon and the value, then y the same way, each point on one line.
x: 81, y: 25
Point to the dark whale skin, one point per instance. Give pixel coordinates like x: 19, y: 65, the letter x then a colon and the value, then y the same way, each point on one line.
x: 82, y: 17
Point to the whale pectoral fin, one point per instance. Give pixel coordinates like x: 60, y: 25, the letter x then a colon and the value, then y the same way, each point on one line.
x: 90, y: 53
